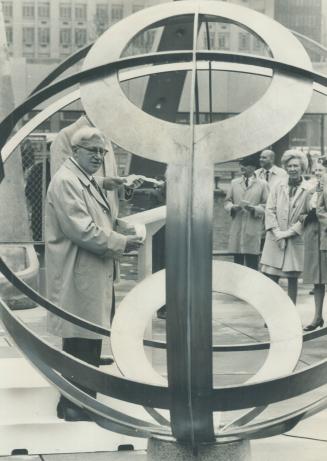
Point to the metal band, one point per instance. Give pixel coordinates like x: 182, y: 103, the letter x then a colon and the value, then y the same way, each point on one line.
x: 50, y: 307
x: 83, y: 373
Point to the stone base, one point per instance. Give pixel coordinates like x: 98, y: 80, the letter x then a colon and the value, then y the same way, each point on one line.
x: 159, y: 449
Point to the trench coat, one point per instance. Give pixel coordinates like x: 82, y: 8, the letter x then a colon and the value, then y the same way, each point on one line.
x: 315, y: 260
x: 322, y: 214
x: 276, y: 174
x: 283, y: 214
x: 81, y: 245
x: 245, y: 231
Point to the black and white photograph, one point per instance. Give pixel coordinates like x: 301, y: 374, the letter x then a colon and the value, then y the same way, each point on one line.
x: 163, y: 236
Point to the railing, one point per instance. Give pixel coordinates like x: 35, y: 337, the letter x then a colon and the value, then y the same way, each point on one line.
x: 153, y: 220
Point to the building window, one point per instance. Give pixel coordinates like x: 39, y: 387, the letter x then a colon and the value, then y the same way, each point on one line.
x: 244, y: 41
x: 80, y: 37
x: 43, y: 10
x: 9, y: 35
x: 65, y: 38
x: 223, y: 41
x: 80, y: 12
x: 212, y: 38
x: 7, y: 9
x: 44, y: 36
x: 102, y: 13
x: 28, y: 36
x: 65, y: 11
x: 117, y: 12
x: 28, y: 10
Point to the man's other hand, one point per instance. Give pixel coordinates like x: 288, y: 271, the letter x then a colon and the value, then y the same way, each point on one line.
x: 133, y: 243
x: 113, y: 182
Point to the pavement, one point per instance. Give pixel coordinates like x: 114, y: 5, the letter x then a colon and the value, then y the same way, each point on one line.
x: 234, y: 321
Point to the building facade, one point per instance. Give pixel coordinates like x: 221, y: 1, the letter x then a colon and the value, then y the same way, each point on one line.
x: 43, y: 33
x: 48, y: 31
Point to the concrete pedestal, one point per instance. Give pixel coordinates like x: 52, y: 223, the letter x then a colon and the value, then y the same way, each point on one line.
x: 162, y: 450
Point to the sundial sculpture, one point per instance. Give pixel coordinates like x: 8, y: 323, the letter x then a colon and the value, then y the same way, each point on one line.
x: 195, y: 417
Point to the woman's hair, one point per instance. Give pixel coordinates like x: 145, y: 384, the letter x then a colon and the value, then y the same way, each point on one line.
x: 291, y: 154
x: 84, y: 134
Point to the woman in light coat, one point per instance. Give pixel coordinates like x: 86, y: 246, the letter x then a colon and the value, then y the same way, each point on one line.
x: 283, y: 251
x: 315, y: 260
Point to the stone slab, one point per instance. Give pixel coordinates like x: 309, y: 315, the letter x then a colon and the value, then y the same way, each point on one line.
x: 163, y: 450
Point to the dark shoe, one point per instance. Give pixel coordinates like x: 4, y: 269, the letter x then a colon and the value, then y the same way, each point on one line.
x: 312, y: 292
x: 75, y: 414
x: 60, y: 410
x: 313, y: 326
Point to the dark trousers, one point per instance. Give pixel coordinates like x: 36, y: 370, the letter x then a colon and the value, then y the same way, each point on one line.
x: 88, y: 350
x: 247, y: 260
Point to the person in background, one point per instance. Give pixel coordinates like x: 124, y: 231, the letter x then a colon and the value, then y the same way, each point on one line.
x: 245, y: 202
x: 315, y: 259
x: 82, y: 243
x: 283, y: 251
x: 269, y: 171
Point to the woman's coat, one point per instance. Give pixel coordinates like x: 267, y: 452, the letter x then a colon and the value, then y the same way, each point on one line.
x: 279, y: 215
x: 81, y: 245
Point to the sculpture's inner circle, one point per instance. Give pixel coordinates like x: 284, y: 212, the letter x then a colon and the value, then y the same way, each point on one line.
x: 279, y: 313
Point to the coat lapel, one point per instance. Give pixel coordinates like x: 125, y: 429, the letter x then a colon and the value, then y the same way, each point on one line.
x: 87, y: 183
x: 297, y: 197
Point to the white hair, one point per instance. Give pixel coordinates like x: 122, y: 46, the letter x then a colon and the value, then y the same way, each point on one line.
x: 84, y: 134
x: 292, y: 153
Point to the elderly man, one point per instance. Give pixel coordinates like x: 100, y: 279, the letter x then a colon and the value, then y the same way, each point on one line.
x: 81, y: 245
x: 269, y: 171
x: 246, y: 204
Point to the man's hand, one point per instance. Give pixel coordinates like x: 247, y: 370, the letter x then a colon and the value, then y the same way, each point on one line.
x: 281, y: 235
x: 134, y: 181
x: 113, y: 182
x: 250, y: 208
x: 133, y: 243
x: 234, y: 210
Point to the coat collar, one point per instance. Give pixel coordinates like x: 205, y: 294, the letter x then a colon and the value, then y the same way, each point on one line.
x: 86, y: 181
x: 304, y: 186
x: 242, y: 182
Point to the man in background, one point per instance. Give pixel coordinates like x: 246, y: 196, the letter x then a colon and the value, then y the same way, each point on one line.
x: 245, y: 202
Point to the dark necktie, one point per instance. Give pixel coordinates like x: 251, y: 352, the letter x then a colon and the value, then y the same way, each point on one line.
x: 246, y: 182
x: 267, y: 176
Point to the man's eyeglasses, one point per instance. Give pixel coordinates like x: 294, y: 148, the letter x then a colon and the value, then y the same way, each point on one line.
x: 94, y: 150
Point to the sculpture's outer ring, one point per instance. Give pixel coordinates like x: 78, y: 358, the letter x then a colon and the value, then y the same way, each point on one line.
x: 263, y: 123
